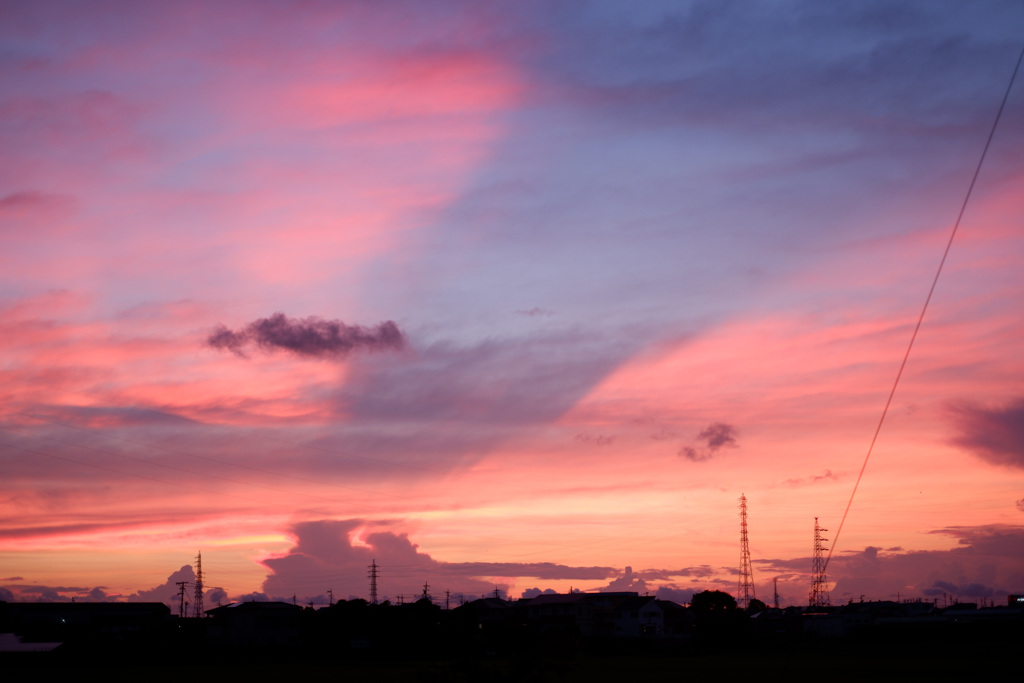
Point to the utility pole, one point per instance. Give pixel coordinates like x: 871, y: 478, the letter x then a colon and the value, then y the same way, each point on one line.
x: 373, y: 582
x: 181, y: 594
x: 447, y: 597
x: 330, y: 597
x: 776, y: 582
x: 197, y: 600
x: 819, y: 584
x: 746, y: 591
x: 426, y: 588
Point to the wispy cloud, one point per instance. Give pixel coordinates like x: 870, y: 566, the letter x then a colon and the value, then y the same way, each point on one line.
x: 827, y: 475
x: 595, y: 439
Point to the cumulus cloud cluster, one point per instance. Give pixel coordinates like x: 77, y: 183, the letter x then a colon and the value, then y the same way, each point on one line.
x: 985, y: 563
x: 311, y: 337
x: 325, y: 548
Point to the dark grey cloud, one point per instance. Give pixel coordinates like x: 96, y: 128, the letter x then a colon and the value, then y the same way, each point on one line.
x: 312, y: 336
x: 691, y: 453
x: 710, y: 441
x: 718, y: 435
x: 994, y: 434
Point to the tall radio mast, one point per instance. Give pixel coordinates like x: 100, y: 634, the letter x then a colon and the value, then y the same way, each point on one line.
x: 197, y: 599
x: 819, y: 584
x: 746, y: 591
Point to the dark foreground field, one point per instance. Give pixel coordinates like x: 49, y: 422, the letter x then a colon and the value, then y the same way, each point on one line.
x: 836, y: 662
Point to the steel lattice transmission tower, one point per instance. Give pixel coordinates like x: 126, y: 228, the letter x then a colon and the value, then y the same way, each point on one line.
x: 373, y: 582
x: 746, y: 590
x: 197, y: 598
x: 819, y: 584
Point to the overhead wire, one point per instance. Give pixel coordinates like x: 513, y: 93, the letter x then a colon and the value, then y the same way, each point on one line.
x: 924, y: 309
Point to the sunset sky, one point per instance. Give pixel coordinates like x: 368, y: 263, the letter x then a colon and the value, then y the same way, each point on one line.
x: 520, y: 295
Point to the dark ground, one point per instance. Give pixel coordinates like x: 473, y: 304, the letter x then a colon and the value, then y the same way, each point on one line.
x: 832, y: 661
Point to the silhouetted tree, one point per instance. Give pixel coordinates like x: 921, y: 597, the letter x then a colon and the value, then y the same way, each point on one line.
x: 756, y: 606
x: 717, y: 617
x: 707, y: 603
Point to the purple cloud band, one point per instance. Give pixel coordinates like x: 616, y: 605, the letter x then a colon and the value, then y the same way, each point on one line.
x: 312, y: 337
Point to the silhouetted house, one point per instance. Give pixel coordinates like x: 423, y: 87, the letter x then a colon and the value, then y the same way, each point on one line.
x: 856, y: 617
x: 824, y: 624
x: 775, y: 622
x: 605, y: 610
x: 571, y: 613
x: 629, y: 615
x: 970, y: 613
x: 255, y: 624
x: 639, y: 617
x: 485, y: 614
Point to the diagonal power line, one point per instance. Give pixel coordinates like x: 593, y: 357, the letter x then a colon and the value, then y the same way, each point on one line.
x: 920, y: 318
